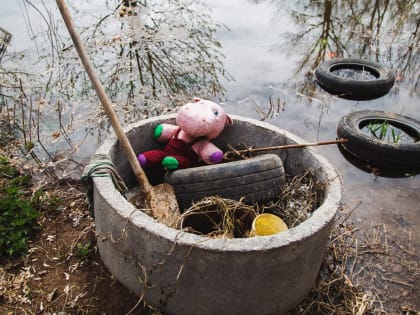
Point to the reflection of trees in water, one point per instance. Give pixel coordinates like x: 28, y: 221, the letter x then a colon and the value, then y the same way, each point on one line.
x: 156, y: 52
x: 384, y: 31
x: 149, y: 55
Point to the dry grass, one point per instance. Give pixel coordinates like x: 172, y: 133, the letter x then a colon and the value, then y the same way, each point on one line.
x: 363, y: 273
x: 334, y: 291
x: 299, y: 197
x: 220, y: 217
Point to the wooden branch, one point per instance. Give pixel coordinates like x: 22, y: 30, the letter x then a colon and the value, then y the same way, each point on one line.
x: 230, y: 155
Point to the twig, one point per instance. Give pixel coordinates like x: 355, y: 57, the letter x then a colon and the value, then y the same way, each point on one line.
x: 397, y: 282
x: 230, y: 155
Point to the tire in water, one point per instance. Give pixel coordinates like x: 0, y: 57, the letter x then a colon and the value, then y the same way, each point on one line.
x: 354, y: 88
x: 381, y: 153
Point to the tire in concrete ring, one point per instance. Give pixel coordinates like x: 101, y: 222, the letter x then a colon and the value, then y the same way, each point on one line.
x: 257, y: 179
x: 381, y: 153
x: 353, y: 88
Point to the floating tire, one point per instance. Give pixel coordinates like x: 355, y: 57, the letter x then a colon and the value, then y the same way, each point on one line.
x: 257, y: 179
x: 353, y: 88
x: 381, y: 153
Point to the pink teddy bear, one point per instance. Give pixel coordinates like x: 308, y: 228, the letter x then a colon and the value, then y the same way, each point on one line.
x: 188, y: 142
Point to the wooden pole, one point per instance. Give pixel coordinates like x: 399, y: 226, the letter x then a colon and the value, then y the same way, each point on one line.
x: 106, y: 103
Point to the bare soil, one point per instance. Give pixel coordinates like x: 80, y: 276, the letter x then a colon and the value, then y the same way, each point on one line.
x: 57, y: 276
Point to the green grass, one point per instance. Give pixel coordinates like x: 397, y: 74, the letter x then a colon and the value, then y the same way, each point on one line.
x: 382, y: 130
x: 19, y: 209
x: 84, y: 250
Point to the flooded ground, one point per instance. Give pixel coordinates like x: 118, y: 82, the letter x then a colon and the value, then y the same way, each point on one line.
x: 272, y: 49
x: 267, y: 65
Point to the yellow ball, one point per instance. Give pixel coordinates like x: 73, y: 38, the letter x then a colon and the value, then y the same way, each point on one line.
x: 267, y: 224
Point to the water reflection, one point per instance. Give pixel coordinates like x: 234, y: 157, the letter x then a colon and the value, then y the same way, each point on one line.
x: 152, y: 53
x: 386, y: 32
x: 382, y: 31
x: 149, y: 55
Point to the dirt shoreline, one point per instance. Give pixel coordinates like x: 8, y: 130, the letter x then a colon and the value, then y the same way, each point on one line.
x: 64, y: 273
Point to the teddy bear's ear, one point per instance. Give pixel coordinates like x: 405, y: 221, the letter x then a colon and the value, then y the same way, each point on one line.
x: 229, y: 120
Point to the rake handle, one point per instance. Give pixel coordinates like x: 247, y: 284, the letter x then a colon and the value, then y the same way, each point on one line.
x: 106, y: 103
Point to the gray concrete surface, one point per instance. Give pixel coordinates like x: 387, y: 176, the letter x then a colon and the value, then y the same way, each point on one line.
x: 182, y: 273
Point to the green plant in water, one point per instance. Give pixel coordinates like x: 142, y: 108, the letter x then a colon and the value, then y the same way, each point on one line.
x: 18, y: 211
x: 382, y: 130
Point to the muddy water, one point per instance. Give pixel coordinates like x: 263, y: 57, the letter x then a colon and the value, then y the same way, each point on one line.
x: 267, y: 64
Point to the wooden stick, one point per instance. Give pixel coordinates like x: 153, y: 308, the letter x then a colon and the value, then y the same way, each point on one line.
x: 106, y: 103
x: 229, y: 154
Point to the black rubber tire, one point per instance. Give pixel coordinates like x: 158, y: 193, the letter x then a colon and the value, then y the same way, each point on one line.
x: 351, y: 88
x: 257, y: 179
x: 378, y: 153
